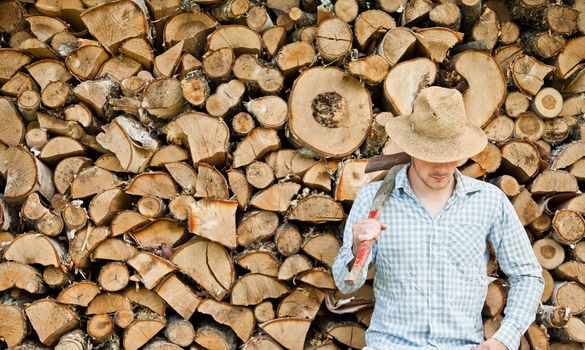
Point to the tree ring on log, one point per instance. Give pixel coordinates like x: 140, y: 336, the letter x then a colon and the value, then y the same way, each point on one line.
x: 330, y: 113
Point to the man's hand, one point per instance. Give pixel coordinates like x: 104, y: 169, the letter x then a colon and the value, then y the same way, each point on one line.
x: 491, y: 344
x: 364, y: 230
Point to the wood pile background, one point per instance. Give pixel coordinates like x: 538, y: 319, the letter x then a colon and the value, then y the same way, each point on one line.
x: 175, y: 174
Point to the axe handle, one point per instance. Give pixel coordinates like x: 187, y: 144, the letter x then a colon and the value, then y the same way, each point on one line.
x: 386, y: 162
x: 362, y: 256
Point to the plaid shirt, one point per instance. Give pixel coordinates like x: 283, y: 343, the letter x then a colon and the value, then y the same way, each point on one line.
x: 431, y: 279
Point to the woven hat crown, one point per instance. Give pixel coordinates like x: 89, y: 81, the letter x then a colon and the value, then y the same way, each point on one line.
x: 438, y: 113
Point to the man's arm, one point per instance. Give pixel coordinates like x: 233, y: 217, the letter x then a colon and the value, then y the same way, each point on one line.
x: 516, y: 258
x: 345, y: 257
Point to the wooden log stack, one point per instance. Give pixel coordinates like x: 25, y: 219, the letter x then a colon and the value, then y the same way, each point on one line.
x: 175, y: 174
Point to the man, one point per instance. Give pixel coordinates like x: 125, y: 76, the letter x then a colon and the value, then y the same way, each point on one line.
x: 431, y: 240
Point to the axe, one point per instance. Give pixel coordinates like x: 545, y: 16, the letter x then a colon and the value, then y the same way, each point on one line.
x: 375, y: 164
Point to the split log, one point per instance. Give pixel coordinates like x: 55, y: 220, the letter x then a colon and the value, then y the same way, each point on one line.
x: 178, y: 295
x: 371, y: 25
x: 252, y: 289
x: 240, y: 187
x: 51, y: 320
x: 537, y: 336
x: 290, y: 332
x: 24, y: 175
x: 529, y: 73
x: 526, y: 208
x: 256, y: 226
x: 548, y: 286
x: 124, y: 17
x: 292, y: 266
x: 161, y: 233
x: 146, y: 298
x: 487, y: 93
x: 351, y: 177
x: 168, y: 154
x: 571, y: 271
x: 113, y: 249
x: 141, y: 331
x: 210, y: 183
x: 130, y: 142
x: 277, y: 197
x: 420, y: 73
x: 151, y: 268
x: 194, y: 129
x: 35, y: 248
x: 126, y: 221
x: 322, y: 247
x: 495, y: 299
x: 318, y: 277
x: 552, y: 181
x: 241, y: 39
x: 208, y: 264
x: 317, y: 209
x: 80, y: 293
x: 255, y: 145
x: 226, y: 98
x: 260, y: 341
x: 261, y: 260
x: 91, y: 181
x: 108, y: 303
x: 568, y: 155
x: 436, y: 42
x: 274, y: 38
x: 264, y: 312
x: 84, y: 242
x: 104, y: 206
x: 21, y: 276
x: 163, y: 98
x: 351, y: 335
x: 248, y: 69
x: 157, y: 184
x: 14, y: 325
x: 303, y: 302
x: 240, y: 319
x: 192, y: 28
x: 520, y: 160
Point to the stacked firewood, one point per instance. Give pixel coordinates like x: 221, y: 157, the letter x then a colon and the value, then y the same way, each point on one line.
x: 175, y: 174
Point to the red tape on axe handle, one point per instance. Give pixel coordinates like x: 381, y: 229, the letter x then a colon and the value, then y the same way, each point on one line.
x: 362, y: 256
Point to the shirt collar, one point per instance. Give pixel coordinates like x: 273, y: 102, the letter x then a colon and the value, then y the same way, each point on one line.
x: 464, y: 185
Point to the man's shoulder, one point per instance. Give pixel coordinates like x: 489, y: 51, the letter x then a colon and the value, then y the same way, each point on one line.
x: 484, y: 187
x: 370, y: 189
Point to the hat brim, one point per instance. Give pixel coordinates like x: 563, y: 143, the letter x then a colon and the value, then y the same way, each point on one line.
x: 467, y: 144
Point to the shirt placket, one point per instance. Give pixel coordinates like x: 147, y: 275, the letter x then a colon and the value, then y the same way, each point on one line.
x: 437, y: 254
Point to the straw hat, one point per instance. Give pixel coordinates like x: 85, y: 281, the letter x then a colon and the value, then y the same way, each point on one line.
x: 438, y: 130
